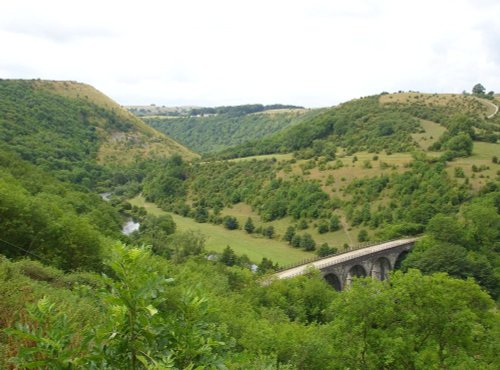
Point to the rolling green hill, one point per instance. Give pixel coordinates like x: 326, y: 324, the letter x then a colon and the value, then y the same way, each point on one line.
x: 374, y: 124
x: 217, y: 131
x: 56, y: 124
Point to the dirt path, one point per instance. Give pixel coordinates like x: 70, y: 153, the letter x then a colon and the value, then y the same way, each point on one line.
x: 495, y: 107
x: 496, y: 110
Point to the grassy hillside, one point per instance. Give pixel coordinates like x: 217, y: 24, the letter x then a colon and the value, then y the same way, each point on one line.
x: 387, y: 123
x: 57, y: 124
x: 215, y: 132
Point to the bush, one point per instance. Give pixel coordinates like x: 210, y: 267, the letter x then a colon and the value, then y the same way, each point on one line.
x: 230, y: 223
x: 268, y: 232
x: 325, y: 250
x: 363, y: 236
x: 296, y: 241
x: 323, y: 227
x: 308, y: 242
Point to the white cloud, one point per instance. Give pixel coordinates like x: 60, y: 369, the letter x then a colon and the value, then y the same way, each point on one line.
x: 310, y: 52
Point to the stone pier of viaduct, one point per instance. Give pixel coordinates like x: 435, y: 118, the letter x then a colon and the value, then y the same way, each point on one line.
x: 339, y: 270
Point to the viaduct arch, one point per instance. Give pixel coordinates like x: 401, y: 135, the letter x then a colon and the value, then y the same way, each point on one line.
x: 376, y: 261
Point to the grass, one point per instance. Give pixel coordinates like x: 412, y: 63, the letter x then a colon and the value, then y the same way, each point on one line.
x: 218, y: 238
x: 458, y: 102
x: 278, y: 157
x: 481, y: 156
x: 350, y: 170
x: 433, y: 132
x: 490, y: 109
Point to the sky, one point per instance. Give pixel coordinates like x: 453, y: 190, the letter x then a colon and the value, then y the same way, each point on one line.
x: 312, y: 53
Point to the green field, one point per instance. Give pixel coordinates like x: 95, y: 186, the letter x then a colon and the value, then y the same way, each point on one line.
x: 433, y: 132
x: 336, y: 239
x: 242, y: 243
x: 278, y: 157
x: 482, y: 155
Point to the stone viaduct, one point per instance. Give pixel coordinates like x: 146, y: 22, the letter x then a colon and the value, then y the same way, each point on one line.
x: 339, y: 270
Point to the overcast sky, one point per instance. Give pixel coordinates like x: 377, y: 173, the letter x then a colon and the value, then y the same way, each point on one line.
x: 224, y: 52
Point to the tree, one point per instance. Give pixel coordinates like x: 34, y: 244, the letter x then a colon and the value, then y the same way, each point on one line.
x: 249, y: 226
x: 461, y: 144
x: 308, y: 242
x: 268, y: 232
x: 185, y: 244
x: 265, y: 265
x: 230, y: 223
x: 430, y: 255
x: 334, y: 223
x: 363, y: 235
x: 325, y: 250
x: 413, y: 322
x: 478, y: 89
x: 296, y: 241
x: 447, y: 229
x: 302, y: 225
x: 159, y: 187
x: 201, y: 214
x: 289, y: 234
x: 228, y: 257
x: 323, y: 227
x: 154, y: 231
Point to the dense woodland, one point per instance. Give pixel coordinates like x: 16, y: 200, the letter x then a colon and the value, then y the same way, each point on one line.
x: 77, y: 293
x: 224, y: 129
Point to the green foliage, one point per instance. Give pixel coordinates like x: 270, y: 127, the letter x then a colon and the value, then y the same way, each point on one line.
x: 225, y: 129
x: 463, y: 248
x: 165, y: 182
x: 268, y: 231
x: 228, y: 257
x: 357, y: 125
x: 49, y: 130
x: 182, y: 245
x: 307, y: 242
x: 302, y: 224
x: 334, y: 223
x: 478, y: 89
x: 325, y: 250
x: 137, y: 317
x: 54, y: 221
x: 414, y: 322
x: 140, y: 326
x: 154, y: 231
x: 416, y: 196
x: 297, y: 198
x: 249, y: 226
x: 201, y: 214
x: 323, y: 227
x: 460, y: 144
x: 230, y: 222
x: 142, y: 318
x: 289, y: 234
x: 296, y: 241
x: 219, y: 184
x: 362, y: 236
x: 52, y: 341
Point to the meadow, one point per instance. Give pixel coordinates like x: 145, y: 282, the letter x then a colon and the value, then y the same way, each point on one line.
x: 217, y: 238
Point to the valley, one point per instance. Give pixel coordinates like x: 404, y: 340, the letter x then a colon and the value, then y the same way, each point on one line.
x: 246, y: 190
